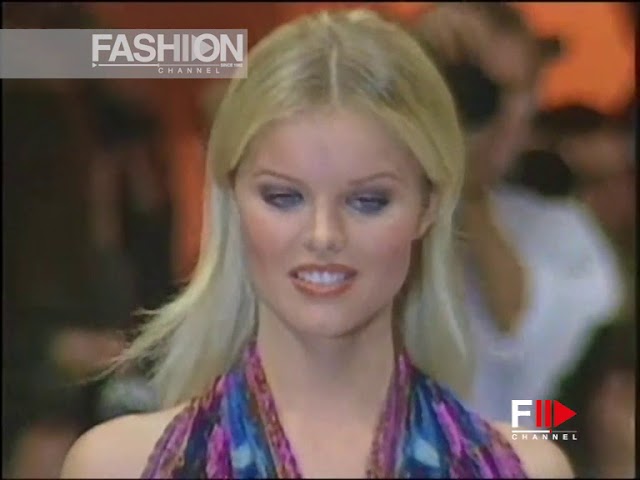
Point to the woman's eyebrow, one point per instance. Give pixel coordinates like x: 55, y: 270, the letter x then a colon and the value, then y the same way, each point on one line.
x: 273, y: 173
x: 375, y: 176
x: 355, y: 182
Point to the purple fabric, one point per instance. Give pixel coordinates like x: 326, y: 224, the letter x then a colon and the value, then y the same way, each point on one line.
x: 424, y: 432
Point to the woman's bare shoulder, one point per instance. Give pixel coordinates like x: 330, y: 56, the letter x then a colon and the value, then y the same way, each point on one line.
x: 118, y: 448
x: 540, y: 458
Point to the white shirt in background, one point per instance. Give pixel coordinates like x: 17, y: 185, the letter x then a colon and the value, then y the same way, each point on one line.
x: 575, y: 286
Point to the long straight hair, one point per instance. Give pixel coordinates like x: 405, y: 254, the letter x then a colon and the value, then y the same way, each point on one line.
x: 345, y: 59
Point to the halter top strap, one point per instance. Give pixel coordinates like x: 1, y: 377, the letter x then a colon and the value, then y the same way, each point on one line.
x: 233, y: 432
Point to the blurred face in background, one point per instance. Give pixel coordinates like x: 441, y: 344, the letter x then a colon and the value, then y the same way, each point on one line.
x: 330, y: 206
x: 603, y: 160
x: 511, y: 61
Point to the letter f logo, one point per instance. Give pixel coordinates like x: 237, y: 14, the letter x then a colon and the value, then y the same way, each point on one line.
x: 516, y: 412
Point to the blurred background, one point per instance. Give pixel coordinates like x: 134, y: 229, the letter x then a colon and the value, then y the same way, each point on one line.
x: 103, y: 184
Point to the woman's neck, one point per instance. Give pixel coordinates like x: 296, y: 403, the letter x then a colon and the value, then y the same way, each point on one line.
x: 347, y: 375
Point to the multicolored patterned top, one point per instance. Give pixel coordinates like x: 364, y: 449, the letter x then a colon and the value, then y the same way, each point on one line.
x: 234, y: 432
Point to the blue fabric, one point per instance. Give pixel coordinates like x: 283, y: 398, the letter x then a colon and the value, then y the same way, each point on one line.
x: 425, y: 450
x: 250, y: 453
x: 440, y: 439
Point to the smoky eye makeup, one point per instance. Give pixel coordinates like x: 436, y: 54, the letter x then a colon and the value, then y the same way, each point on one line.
x: 280, y: 197
x: 365, y: 202
x: 369, y: 202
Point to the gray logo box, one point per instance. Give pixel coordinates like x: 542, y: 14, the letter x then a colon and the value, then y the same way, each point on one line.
x: 87, y: 53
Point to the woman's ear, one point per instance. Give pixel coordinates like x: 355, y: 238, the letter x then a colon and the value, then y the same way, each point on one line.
x: 429, y: 212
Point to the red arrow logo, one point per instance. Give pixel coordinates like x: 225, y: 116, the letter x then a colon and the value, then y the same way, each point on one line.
x: 561, y: 413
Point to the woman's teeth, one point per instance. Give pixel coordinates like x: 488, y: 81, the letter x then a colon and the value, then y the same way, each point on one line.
x: 322, y: 278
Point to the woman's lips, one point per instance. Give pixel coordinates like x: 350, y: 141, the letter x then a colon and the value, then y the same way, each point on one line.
x: 303, y: 281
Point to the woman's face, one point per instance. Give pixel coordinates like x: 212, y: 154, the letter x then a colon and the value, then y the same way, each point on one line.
x: 329, y: 207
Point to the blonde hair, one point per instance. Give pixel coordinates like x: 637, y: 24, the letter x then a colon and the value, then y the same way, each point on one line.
x: 351, y: 59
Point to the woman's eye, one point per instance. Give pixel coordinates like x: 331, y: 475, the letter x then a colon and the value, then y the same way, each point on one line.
x: 282, y: 199
x: 369, y: 204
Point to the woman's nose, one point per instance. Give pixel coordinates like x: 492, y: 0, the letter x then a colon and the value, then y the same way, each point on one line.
x: 326, y: 232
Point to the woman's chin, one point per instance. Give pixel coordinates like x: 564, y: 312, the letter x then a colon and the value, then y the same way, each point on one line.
x: 325, y: 325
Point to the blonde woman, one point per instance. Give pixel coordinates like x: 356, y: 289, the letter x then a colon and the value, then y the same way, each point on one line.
x: 319, y: 336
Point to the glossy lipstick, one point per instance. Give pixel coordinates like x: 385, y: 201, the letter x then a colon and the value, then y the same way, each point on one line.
x: 322, y: 280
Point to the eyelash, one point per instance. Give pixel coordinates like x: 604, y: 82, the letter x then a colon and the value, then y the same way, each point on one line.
x: 376, y: 203
x: 288, y: 200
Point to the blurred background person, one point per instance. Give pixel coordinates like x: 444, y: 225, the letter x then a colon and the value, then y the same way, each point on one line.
x: 598, y: 150
x: 42, y: 261
x: 602, y: 390
x: 540, y: 276
x: 48, y: 267
x: 131, y: 192
x: 545, y: 172
x: 89, y: 227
